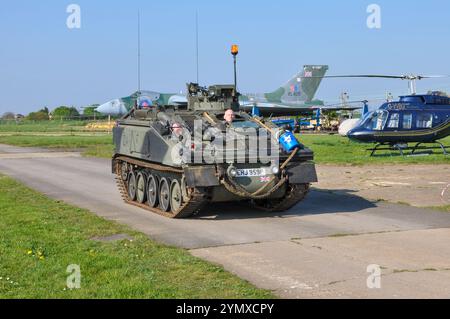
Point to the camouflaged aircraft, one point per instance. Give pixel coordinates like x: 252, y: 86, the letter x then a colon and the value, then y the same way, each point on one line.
x: 294, y: 97
x: 122, y: 106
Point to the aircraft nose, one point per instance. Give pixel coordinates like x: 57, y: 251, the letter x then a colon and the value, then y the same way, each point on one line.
x: 109, y: 108
x: 359, y: 135
x: 102, y: 108
x: 352, y: 134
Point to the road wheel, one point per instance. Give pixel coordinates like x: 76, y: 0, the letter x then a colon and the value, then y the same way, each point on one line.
x: 132, y: 186
x: 124, y: 171
x: 184, y: 191
x: 176, y: 196
x: 164, y: 195
x: 141, y: 189
x: 152, y: 191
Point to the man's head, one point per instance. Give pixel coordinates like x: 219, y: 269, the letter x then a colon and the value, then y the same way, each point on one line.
x: 177, y: 129
x: 229, y: 116
x: 144, y: 103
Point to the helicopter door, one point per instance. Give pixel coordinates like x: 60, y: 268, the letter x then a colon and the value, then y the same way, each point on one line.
x: 407, y: 121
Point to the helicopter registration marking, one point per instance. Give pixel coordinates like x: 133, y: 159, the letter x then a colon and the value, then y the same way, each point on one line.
x: 397, y: 106
x: 251, y: 172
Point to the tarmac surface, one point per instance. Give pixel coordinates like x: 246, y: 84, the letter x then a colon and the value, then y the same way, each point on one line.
x: 319, y: 249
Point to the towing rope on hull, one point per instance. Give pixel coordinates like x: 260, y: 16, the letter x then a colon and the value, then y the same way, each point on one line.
x: 238, y: 190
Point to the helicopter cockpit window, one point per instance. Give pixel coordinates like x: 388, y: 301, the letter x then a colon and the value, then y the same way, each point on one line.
x: 407, y: 121
x: 424, y: 120
x: 377, y: 120
x: 394, y: 120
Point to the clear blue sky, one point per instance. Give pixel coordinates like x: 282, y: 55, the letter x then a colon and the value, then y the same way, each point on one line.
x: 43, y: 63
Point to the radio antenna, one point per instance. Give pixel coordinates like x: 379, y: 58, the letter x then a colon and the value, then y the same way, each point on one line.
x: 139, y: 51
x: 196, y: 44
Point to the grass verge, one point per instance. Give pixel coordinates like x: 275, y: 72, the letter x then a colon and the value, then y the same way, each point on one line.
x: 93, y: 145
x: 41, y: 237
x: 45, y: 126
x: 445, y: 208
x: 334, y: 149
x: 67, y: 142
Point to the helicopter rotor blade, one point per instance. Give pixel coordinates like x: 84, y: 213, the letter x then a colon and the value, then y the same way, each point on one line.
x: 380, y: 76
x: 367, y: 76
x: 356, y: 76
x: 433, y: 76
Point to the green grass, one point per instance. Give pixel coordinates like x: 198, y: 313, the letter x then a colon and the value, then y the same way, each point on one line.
x: 67, y: 142
x: 41, y: 237
x: 43, y: 126
x: 67, y: 135
x: 102, y: 151
x: 445, y: 208
x: 334, y: 149
x: 94, y: 145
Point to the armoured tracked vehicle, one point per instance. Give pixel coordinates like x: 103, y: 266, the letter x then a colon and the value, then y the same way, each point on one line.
x: 173, y: 160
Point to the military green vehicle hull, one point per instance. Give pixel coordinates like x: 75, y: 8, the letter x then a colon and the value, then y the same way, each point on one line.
x: 177, y: 175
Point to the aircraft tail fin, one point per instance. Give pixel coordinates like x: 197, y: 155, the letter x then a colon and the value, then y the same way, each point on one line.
x: 302, y: 87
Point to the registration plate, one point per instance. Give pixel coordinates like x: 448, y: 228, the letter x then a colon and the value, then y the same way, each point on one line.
x: 250, y: 172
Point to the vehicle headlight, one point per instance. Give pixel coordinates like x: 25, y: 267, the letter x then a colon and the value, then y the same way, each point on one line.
x: 232, y: 171
x: 275, y: 170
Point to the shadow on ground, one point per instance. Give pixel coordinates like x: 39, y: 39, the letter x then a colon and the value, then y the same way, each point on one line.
x: 317, y: 202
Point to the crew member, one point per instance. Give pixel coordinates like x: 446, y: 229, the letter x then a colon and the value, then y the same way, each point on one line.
x: 229, y: 117
x: 144, y: 103
x: 177, y: 130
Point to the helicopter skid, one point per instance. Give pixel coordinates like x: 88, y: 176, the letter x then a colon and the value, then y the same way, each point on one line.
x: 401, y: 147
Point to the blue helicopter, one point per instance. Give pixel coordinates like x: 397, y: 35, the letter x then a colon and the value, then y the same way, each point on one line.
x: 420, y: 119
x: 415, y: 118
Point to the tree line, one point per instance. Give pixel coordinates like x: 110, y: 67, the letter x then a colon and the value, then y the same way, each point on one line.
x: 60, y: 113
